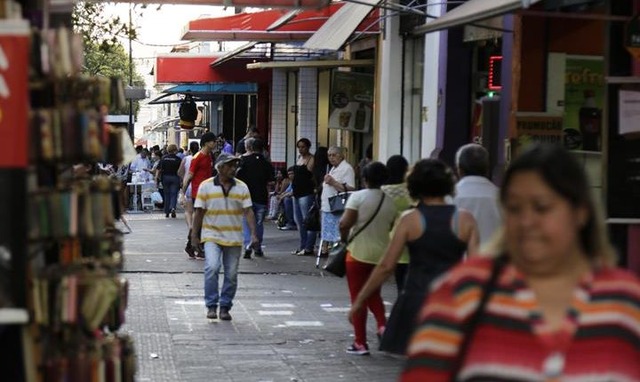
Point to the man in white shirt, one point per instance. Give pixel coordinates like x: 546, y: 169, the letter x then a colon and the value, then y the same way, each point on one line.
x: 475, y: 192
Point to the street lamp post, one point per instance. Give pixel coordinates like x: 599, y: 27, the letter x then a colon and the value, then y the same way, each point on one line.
x: 130, y: 72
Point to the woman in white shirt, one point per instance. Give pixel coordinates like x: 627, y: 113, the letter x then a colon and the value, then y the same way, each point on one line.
x: 340, y: 178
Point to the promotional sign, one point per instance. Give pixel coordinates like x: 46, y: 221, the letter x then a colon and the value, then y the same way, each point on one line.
x: 351, y: 102
x: 14, y: 97
x: 583, y: 102
x: 538, y: 127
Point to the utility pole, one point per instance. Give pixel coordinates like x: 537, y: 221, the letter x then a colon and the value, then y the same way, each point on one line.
x: 130, y: 126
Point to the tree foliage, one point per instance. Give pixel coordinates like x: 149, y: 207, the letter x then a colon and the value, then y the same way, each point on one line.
x: 104, y: 53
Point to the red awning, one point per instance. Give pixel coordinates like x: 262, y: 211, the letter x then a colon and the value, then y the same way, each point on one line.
x: 185, y: 67
x: 289, y: 4
x: 253, y: 26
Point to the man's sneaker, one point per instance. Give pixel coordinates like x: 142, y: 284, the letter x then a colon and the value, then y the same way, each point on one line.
x: 199, y: 255
x: 304, y: 252
x: 258, y: 254
x: 190, y: 251
x: 211, y: 313
x: 357, y: 349
x: 247, y: 254
x: 173, y: 213
x: 224, y: 314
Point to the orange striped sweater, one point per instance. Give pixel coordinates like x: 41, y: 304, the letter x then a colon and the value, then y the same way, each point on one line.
x: 599, y: 341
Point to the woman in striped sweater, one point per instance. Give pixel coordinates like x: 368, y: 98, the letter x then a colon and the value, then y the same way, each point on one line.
x: 559, y: 310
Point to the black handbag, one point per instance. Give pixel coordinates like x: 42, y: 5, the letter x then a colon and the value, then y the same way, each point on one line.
x: 338, y: 201
x: 338, y: 253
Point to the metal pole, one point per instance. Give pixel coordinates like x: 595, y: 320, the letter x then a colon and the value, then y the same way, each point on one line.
x: 130, y: 72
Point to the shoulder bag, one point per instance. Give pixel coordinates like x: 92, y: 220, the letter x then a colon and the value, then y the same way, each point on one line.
x: 469, y: 326
x: 338, y: 252
x: 338, y: 201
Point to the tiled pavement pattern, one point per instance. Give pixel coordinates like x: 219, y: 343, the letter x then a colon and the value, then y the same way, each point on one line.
x: 289, y: 322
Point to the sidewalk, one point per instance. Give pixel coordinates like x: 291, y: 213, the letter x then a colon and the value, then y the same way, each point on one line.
x: 289, y: 320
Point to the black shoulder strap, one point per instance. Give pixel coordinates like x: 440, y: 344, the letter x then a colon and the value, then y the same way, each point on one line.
x: 368, y: 221
x: 469, y: 327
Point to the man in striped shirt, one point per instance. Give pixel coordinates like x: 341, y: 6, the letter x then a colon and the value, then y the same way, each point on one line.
x: 220, y: 204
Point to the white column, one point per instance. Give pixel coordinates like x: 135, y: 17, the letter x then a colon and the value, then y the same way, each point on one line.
x: 308, y: 105
x: 388, y: 90
x: 278, y: 116
x: 433, y: 93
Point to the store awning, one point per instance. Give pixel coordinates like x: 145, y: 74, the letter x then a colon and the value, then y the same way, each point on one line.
x: 265, y: 26
x: 240, y: 3
x: 471, y: 11
x: 352, y: 17
x: 213, y: 88
x: 311, y: 64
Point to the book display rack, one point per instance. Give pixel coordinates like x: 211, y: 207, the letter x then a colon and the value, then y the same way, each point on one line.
x: 62, y: 299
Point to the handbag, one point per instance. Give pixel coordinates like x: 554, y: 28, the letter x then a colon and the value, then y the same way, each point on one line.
x: 338, y: 253
x: 469, y: 326
x: 338, y: 201
x: 312, y: 220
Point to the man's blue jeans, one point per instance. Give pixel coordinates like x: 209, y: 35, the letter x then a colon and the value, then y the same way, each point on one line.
x: 301, y: 207
x: 217, y: 256
x: 171, y: 185
x: 259, y: 211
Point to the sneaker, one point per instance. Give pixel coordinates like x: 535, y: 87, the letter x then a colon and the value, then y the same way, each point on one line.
x: 258, y: 254
x: 166, y: 215
x: 199, y: 255
x: 224, y: 314
x: 190, y: 251
x: 358, y: 349
x: 295, y: 252
x: 305, y: 252
x: 211, y: 313
x: 247, y: 254
x: 173, y: 213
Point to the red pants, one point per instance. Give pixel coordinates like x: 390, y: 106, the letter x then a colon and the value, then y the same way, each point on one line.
x: 357, y: 275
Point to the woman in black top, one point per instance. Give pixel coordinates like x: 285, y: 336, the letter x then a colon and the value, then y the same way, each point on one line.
x: 303, y: 195
x: 168, y: 174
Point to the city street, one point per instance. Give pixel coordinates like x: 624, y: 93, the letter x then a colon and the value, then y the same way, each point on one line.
x: 289, y: 319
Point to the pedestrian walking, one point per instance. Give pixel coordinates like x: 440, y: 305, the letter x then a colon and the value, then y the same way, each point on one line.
x: 437, y: 235
x: 396, y: 188
x: 201, y: 168
x: 368, y: 216
x: 185, y: 198
x: 475, y: 192
x: 549, y: 304
x: 168, y: 175
x: 220, y: 205
x: 256, y: 172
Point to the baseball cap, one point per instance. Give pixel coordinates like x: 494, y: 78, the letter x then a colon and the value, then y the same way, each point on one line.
x: 207, y: 137
x: 225, y: 158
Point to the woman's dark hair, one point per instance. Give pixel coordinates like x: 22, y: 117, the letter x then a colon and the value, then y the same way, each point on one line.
x: 283, y: 172
x: 564, y: 175
x: 431, y: 178
x: 305, y: 141
x: 194, y: 147
x: 290, y: 169
x: 375, y: 174
x: 397, y: 166
x: 320, y: 163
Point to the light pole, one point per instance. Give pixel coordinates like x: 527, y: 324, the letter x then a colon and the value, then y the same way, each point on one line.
x: 130, y: 126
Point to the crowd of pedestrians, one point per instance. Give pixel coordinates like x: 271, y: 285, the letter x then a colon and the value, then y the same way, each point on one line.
x: 468, y: 285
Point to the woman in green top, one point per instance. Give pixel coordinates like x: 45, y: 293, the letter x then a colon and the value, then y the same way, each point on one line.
x: 396, y: 189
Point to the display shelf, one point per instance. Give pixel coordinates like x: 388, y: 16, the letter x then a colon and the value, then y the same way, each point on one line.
x: 13, y: 316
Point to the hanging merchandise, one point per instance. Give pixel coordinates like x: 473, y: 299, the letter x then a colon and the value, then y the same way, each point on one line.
x: 188, y: 112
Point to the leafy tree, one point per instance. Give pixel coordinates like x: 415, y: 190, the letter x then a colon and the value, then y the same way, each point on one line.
x: 104, y: 53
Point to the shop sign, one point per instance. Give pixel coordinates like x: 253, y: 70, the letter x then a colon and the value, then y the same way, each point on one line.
x: 538, y: 127
x: 351, y: 101
x: 14, y: 99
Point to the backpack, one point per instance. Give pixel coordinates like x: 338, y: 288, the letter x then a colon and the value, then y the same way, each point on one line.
x: 188, y: 112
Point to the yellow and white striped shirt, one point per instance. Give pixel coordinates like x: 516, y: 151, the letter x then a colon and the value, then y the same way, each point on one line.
x: 222, y: 222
